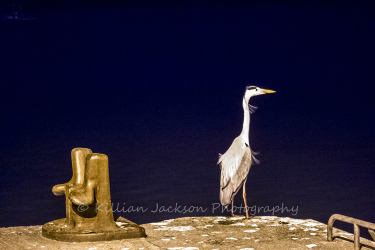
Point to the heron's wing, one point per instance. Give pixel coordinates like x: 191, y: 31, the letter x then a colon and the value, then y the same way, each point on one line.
x: 235, y: 165
x: 235, y: 169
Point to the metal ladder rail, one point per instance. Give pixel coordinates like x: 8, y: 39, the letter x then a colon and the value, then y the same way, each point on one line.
x: 355, y: 222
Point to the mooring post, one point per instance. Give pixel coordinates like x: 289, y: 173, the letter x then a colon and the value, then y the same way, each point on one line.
x: 89, y: 215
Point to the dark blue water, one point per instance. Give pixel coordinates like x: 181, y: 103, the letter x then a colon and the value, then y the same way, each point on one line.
x: 159, y: 90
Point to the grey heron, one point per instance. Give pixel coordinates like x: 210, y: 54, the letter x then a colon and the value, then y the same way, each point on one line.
x: 235, y: 163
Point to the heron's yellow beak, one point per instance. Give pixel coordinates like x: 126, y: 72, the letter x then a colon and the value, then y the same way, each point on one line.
x: 267, y: 91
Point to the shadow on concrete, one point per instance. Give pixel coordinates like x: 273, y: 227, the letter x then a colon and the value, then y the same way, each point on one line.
x: 352, y: 241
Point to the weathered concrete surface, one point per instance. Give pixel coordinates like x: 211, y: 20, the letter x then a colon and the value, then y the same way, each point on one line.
x: 268, y: 232
x: 258, y: 233
x: 31, y: 238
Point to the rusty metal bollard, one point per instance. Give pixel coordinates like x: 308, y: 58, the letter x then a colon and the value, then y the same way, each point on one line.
x: 89, y: 215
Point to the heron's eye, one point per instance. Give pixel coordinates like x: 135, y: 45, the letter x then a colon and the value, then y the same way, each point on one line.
x: 256, y: 89
x: 251, y: 88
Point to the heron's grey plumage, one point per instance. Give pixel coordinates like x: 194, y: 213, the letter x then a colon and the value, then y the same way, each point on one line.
x: 235, y: 163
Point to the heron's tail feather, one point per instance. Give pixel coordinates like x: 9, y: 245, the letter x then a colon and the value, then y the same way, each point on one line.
x: 225, y: 197
x: 229, y: 191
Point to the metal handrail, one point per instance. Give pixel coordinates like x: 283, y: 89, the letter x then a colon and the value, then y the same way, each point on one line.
x: 355, y: 222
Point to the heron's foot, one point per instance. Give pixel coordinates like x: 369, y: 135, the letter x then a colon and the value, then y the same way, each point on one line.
x: 249, y: 217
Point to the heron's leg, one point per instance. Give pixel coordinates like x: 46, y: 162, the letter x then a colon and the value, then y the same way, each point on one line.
x: 232, y: 206
x: 244, y: 198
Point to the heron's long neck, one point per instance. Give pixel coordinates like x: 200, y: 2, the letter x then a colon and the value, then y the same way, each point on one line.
x: 246, y: 121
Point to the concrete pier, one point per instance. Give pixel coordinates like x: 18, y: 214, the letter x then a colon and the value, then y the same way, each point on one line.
x: 265, y: 232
